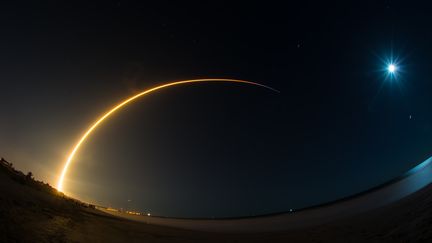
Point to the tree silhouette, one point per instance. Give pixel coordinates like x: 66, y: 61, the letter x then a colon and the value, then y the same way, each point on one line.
x: 29, y: 176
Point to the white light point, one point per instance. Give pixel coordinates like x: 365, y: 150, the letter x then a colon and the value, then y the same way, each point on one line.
x: 391, y: 68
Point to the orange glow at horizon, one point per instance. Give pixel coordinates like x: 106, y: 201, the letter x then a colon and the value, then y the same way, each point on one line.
x: 128, y: 100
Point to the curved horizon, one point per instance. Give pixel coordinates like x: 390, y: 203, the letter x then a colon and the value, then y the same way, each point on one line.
x: 413, y: 180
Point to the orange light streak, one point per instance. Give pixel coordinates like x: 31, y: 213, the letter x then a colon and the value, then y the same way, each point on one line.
x: 128, y: 100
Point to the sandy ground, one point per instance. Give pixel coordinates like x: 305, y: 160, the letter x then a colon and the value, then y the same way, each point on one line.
x: 29, y: 215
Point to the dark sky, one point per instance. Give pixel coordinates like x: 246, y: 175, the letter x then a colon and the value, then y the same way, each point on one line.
x: 339, y: 125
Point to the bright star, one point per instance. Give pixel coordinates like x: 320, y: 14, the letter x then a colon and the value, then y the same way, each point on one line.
x: 391, y: 68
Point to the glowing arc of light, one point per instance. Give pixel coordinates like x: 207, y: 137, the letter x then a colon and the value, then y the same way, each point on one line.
x: 126, y: 101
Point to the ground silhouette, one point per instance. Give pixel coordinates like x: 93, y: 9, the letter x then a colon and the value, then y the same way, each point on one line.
x: 33, y: 211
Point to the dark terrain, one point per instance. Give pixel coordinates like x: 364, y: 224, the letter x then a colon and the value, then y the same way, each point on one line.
x: 31, y: 211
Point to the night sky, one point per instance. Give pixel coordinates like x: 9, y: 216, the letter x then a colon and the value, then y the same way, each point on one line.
x: 340, y: 124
